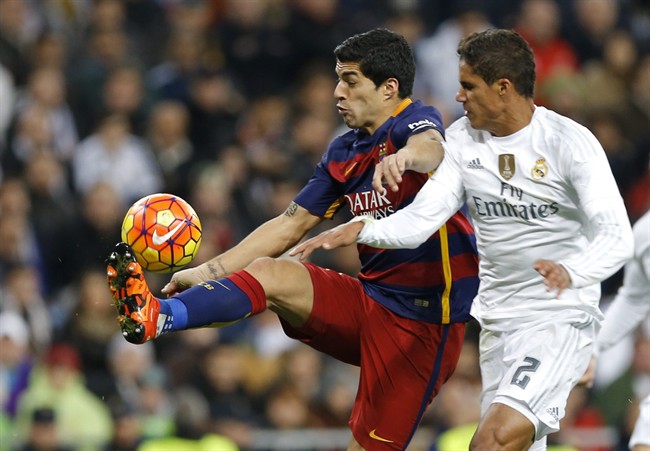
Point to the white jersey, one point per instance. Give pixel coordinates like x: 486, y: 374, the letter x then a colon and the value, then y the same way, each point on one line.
x: 544, y: 192
x: 631, y: 306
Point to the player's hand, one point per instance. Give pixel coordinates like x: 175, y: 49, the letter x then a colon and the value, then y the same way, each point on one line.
x: 182, y: 280
x: 556, y: 277
x: 587, y: 379
x: 389, y: 171
x: 342, y: 235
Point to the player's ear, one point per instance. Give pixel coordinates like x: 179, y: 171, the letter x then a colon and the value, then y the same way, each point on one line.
x: 390, y: 87
x: 503, y: 86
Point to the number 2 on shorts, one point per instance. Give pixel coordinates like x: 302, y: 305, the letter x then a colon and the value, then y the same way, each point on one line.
x: 530, y: 367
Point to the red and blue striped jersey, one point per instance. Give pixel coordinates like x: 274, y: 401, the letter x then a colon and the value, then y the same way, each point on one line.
x: 435, y: 282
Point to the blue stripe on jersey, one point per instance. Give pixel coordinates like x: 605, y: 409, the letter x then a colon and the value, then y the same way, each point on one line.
x: 427, y: 306
x: 382, y: 259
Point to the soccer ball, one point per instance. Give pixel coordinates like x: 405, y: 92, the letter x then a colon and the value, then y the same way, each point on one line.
x: 164, y: 232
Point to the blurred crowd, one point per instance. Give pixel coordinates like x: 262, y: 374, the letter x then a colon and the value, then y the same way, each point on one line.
x: 229, y: 104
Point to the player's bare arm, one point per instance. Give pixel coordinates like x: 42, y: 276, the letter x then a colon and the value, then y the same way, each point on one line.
x: 271, y: 239
x: 423, y: 153
x: 342, y: 235
x: 556, y: 277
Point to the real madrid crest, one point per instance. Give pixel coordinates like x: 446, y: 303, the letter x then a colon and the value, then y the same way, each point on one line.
x: 539, y: 170
x: 507, y: 165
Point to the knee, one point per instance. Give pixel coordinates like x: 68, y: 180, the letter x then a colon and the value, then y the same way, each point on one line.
x: 272, y: 271
x: 261, y: 265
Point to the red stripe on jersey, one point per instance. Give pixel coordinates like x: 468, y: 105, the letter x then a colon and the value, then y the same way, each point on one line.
x: 459, y: 223
x: 345, y: 170
x: 430, y: 273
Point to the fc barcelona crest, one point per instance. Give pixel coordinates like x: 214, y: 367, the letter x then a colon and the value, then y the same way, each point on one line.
x: 382, y: 150
x: 507, y: 165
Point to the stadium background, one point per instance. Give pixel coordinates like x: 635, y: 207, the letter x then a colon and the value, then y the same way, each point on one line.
x: 229, y: 104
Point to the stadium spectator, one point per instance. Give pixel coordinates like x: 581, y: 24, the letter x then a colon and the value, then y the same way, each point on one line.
x: 313, y: 94
x: 16, y: 363
x: 105, y: 49
x: 182, y: 357
x: 620, y: 151
x: 21, y: 293
x: 43, y: 434
x: 436, y: 81
x: 221, y: 221
x: 20, y: 24
x: 288, y: 409
x: 8, y: 93
x: 196, y: 15
x: 98, y: 223
x: 31, y: 134
x: 167, y: 135
x: 82, y: 419
x: 54, y: 212
x: 215, y: 107
x: 170, y: 79
x: 310, y: 133
x: 86, y: 316
x: 262, y: 131
x: 156, y: 407
x: 314, y: 28
x: 234, y: 412
x: 539, y: 22
x: 46, y: 91
x: 114, y: 155
x: 51, y: 51
x: 127, y: 435
x: 18, y: 243
x: 250, y: 37
x: 612, y: 75
x: 589, y: 23
x: 125, y: 94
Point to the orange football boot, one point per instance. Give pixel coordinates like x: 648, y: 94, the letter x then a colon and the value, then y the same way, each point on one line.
x: 138, y: 309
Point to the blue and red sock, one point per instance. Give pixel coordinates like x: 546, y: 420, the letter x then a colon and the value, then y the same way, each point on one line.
x: 214, y: 303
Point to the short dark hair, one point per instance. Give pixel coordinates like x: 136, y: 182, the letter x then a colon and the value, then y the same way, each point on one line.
x: 499, y: 53
x: 381, y: 54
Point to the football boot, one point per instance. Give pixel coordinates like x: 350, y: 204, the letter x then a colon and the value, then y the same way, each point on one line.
x: 137, y: 308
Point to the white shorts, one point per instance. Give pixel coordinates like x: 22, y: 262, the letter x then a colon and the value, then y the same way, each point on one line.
x: 533, y: 369
x: 641, y: 433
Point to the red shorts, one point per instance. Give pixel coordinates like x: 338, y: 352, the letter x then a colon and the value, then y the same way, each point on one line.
x: 403, y: 362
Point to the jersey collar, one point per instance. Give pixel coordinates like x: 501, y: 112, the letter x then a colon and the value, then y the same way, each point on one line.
x: 403, y: 104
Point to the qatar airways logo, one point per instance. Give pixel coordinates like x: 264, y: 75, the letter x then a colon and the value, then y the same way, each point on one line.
x: 370, y: 203
x: 506, y: 208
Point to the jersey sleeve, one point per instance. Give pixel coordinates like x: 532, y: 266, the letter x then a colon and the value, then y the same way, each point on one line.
x: 602, y: 204
x: 419, y: 118
x: 322, y: 195
x: 631, y: 305
x: 440, y: 197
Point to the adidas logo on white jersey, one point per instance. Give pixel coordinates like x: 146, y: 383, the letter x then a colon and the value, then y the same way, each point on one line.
x: 475, y: 164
